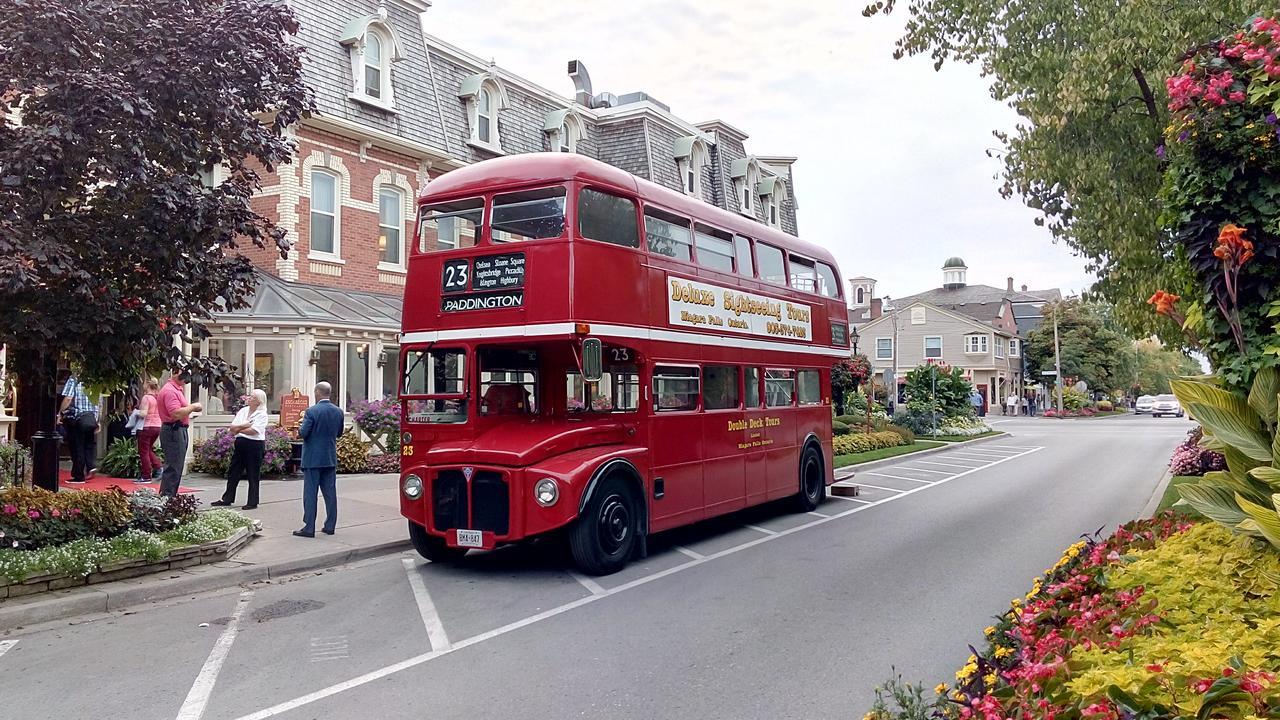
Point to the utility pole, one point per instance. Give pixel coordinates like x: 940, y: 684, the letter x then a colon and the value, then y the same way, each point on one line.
x: 1057, y: 358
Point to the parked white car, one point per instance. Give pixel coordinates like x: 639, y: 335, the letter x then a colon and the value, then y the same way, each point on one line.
x: 1166, y: 405
x: 1144, y: 404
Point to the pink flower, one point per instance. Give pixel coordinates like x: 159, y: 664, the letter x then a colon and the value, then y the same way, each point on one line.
x: 33, y: 514
x: 75, y: 511
x: 56, y: 513
x: 10, y: 509
x: 1236, y: 96
x: 1202, y: 686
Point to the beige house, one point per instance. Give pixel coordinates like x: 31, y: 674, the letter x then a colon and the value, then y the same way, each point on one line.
x: 918, y: 333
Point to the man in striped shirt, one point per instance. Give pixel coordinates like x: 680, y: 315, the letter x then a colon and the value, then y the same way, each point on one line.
x: 80, y: 420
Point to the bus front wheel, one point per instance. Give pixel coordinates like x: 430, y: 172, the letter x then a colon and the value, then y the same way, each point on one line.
x: 605, y: 535
x: 431, y: 547
x: 813, y: 486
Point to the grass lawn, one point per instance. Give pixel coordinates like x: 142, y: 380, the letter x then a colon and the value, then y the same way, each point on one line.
x: 962, y: 438
x: 1171, y: 495
x: 868, y: 456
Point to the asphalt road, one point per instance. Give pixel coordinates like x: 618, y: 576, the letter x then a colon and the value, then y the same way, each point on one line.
x: 765, y: 614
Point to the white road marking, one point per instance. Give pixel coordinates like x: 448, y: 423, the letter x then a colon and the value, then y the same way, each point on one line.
x: 850, y: 499
x: 900, y: 477
x: 334, y: 647
x: 365, y: 679
x: 592, y: 586
x: 690, y: 553
x: 886, y: 489
x: 954, y: 465
x: 427, y: 609
x: 812, y: 512
x: 6, y: 645
x: 1026, y: 448
x: 757, y: 528
x: 994, y: 450
x: 198, y: 697
x: 971, y: 456
x: 916, y: 469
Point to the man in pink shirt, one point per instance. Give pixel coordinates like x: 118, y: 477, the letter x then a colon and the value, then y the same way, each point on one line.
x: 175, y: 416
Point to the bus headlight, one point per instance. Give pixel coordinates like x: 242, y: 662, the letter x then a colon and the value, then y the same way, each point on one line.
x: 412, y: 487
x: 546, y: 492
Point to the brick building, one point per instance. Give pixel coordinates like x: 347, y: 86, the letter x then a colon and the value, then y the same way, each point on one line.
x: 399, y: 107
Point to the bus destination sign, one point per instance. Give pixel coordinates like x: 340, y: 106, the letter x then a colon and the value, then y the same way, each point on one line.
x: 696, y: 304
x: 488, y: 282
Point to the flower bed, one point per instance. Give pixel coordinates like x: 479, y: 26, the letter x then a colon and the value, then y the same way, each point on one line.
x: 214, y: 455
x: 1190, y: 458
x: 1164, y: 619
x: 862, y: 442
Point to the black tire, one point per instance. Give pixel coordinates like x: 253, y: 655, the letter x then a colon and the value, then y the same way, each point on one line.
x: 813, y: 481
x: 431, y: 547
x: 607, y: 532
x: 1155, y: 415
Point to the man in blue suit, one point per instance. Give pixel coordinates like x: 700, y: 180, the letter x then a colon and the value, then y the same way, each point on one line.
x: 321, y: 426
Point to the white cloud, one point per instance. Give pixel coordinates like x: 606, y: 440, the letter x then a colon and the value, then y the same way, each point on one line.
x: 893, y: 175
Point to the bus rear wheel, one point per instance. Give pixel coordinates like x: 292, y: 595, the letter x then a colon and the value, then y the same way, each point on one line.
x: 813, y: 485
x: 431, y: 547
x: 604, y: 537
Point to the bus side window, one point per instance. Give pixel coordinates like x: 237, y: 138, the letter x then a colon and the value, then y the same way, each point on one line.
x: 772, y: 268
x: 720, y: 387
x: 827, y: 283
x: 808, y: 388
x: 675, y: 388
x: 607, y: 218
x: 752, y: 387
x: 804, y: 276
x: 742, y: 249
x: 779, y: 387
x: 668, y: 234
x: 715, y: 250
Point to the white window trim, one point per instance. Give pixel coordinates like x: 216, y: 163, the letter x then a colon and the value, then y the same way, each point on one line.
x: 497, y: 103
x: 924, y: 346
x: 983, y: 344
x: 334, y: 256
x: 745, y: 187
x: 876, y: 348
x: 390, y: 55
x: 1015, y: 347
x: 999, y: 347
x: 692, y: 163
x: 400, y: 266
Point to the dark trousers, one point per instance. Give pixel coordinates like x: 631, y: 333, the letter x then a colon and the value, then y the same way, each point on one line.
x: 80, y: 442
x: 173, y: 441
x: 246, y: 460
x: 324, y: 480
x: 148, y: 461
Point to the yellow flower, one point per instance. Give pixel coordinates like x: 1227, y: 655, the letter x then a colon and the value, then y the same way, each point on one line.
x: 989, y: 631
x: 960, y: 697
x: 990, y: 679
x: 1003, y: 652
x: 941, y: 689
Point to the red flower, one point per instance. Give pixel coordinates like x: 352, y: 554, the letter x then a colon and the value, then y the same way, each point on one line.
x: 1232, y: 247
x: 1164, y: 302
x: 1202, y: 686
x: 1156, y: 668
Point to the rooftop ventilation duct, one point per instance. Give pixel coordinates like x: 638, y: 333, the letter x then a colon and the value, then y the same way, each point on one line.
x: 581, y: 83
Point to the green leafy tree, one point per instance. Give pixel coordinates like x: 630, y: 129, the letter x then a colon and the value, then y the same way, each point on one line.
x: 1087, y: 80
x: 1091, y: 350
x: 1155, y: 365
x: 111, y: 245
x: 940, y: 388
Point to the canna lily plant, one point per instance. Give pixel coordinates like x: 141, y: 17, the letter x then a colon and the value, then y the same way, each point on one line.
x: 1246, y: 496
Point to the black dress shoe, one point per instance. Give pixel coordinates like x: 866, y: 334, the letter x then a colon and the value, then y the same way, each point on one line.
x: 302, y: 533
x: 220, y: 503
x: 326, y: 532
x: 249, y: 507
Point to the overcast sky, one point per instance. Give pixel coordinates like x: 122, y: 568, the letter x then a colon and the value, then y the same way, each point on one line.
x: 892, y: 174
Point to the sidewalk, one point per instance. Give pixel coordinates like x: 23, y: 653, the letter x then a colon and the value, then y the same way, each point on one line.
x: 369, y: 524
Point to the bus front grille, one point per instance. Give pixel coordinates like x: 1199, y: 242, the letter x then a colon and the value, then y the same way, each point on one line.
x: 485, y: 507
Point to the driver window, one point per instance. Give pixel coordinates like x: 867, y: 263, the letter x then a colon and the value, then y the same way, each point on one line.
x: 617, y: 391
x: 508, y: 382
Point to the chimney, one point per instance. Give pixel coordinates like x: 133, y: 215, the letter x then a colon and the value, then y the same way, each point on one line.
x: 1024, y: 288
x: 1009, y: 288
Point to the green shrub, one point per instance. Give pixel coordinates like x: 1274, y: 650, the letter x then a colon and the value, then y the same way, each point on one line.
x: 851, y: 420
x: 34, y: 518
x: 153, y: 512
x: 1073, y: 399
x: 1105, y: 406
x: 865, y: 442
x: 907, y: 436
x: 839, y: 428
x: 14, y: 460
x: 353, y: 455
x: 121, y: 460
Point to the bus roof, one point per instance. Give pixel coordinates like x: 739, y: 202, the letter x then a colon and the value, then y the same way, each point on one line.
x: 528, y: 169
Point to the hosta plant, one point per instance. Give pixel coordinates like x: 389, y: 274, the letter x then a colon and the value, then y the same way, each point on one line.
x: 1246, y: 496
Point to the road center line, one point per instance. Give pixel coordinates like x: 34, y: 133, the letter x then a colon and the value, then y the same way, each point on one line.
x: 6, y: 645
x: 417, y: 660
x: 592, y: 586
x: 686, y: 551
x: 757, y: 528
x: 427, y: 609
x: 901, y: 477
x: 198, y: 697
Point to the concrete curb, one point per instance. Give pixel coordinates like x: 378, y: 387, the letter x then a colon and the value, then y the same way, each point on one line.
x: 63, y: 604
x: 853, y: 469
x: 1149, y: 509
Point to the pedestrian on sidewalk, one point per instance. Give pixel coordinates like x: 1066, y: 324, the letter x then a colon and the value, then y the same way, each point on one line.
x: 148, y: 462
x: 1011, y: 403
x: 175, y: 418
x: 250, y: 427
x: 321, y: 426
x: 80, y: 421
x: 975, y: 399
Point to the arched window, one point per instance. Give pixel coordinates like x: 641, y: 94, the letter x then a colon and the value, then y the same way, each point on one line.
x: 484, y: 98
x: 374, y: 47
x: 484, y: 116
x: 563, y: 128
x: 691, y: 156
x: 861, y: 296
x: 373, y: 65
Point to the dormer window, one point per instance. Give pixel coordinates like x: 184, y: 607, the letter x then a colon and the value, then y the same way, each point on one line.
x: 746, y: 174
x: 773, y: 192
x: 564, y: 129
x: 691, y: 156
x: 484, y: 98
x: 374, y: 47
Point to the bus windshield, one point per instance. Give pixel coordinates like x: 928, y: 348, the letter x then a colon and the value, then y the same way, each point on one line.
x: 434, y: 385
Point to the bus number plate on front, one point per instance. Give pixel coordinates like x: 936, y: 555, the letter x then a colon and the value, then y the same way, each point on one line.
x: 470, y: 538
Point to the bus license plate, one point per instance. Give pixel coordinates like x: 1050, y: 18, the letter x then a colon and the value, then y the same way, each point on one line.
x: 470, y: 538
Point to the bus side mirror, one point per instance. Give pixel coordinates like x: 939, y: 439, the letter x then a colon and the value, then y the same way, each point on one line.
x: 592, y: 360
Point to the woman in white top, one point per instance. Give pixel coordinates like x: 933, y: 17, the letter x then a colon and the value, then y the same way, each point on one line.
x: 250, y: 428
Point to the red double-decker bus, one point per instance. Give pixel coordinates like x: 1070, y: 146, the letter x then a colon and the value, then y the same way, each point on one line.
x: 587, y: 352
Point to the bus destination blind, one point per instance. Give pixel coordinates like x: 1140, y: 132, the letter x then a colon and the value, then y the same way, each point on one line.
x: 488, y: 282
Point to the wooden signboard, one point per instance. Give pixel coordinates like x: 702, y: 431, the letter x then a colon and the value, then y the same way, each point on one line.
x: 291, y: 408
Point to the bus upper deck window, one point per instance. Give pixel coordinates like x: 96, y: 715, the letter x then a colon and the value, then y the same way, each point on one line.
x: 667, y: 234
x: 772, y: 268
x: 449, y: 226
x: 804, y: 276
x: 827, y: 283
x: 607, y: 218
x: 528, y: 215
x: 742, y: 249
x: 715, y: 249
